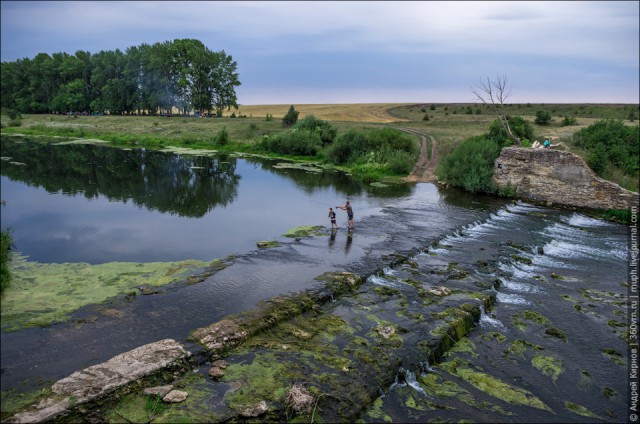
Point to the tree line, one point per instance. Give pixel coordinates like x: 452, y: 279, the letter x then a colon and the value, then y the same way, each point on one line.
x: 145, y: 79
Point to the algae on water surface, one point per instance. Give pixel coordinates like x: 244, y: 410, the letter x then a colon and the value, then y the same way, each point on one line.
x: 42, y: 294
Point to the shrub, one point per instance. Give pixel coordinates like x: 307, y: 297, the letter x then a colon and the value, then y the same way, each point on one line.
x: 568, y: 121
x: 222, y: 137
x: 520, y: 128
x: 5, y: 248
x: 400, y: 162
x: 610, y: 140
x: 323, y: 128
x: 470, y: 165
x: 295, y: 142
x: 543, y: 117
x: 347, y: 147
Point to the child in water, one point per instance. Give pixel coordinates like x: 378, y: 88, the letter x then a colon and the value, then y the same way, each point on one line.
x: 332, y: 217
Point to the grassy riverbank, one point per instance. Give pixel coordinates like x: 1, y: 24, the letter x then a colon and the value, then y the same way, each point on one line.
x: 449, y: 123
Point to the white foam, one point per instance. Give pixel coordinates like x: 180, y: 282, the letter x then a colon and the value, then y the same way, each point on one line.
x: 380, y: 281
x: 513, y: 299
x: 578, y: 220
x: 519, y: 287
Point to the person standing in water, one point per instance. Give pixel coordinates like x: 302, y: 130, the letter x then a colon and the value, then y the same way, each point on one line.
x: 347, y: 207
x: 332, y: 217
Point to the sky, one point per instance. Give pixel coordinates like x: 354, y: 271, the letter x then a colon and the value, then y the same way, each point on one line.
x: 290, y: 52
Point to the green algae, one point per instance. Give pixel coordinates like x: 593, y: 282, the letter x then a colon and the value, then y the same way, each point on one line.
x: 42, y: 294
x: 548, y: 365
x: 528, y: 315
x: 201, y: 405
x: 375, y: 412
x: 519, y: 347
x: 580, y: 410
x: 464, y: 345
x: 614, y: 356
x: 267, y: 244
x: 262, y: 379
x: 137, y: 408
x: 495, y: 387
x: 495, y: 335
x: 555, y: 332
x: 521, y: 259
x: 304, y: 231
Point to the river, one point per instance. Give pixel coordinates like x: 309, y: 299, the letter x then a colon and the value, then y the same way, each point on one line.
x: 559, y: 275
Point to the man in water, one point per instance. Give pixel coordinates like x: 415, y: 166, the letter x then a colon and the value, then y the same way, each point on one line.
x: 347, y: 207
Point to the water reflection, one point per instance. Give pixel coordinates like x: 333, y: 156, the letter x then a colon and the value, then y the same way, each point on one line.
x: 96, y: 204
x: 188, y: 186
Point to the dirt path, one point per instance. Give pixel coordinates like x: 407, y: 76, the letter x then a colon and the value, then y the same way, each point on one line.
x: 424, y: 169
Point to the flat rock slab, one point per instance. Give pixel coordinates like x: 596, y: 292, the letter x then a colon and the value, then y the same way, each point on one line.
x: 97, y: 380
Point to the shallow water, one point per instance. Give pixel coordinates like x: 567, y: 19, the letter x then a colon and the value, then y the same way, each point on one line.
x: 546, y: 260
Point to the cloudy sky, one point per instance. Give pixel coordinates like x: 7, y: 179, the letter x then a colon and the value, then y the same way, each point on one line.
x: 365, y: 51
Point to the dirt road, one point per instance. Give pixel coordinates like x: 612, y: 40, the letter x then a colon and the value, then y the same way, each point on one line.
x: 424, y: 169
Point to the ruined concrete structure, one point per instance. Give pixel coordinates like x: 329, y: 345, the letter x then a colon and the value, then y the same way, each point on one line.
x: 557, y: 177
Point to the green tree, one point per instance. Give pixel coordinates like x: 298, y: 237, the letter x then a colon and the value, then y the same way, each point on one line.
x: 290, y: 118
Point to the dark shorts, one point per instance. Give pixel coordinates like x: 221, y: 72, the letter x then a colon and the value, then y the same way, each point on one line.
x: 333, y: 221
x: 350, y: 216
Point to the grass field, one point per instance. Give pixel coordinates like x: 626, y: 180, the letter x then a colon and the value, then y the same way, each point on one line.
x: 449, y: 123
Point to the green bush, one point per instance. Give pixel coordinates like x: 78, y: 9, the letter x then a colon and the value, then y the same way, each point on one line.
x: 294, y: 142
x: 568, y: 121
x: 5, y: 248
x: 346, y: 147
x: 222, y: 137
x: 400, y: 162
x: 470, y: 165
x: 323, y: 128
x: 519, y: 127
x: 610, y: 141
x: 378, y: 145
x: 543, y: 117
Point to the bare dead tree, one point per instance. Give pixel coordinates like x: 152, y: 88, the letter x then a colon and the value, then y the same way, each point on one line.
x: 494, y: 94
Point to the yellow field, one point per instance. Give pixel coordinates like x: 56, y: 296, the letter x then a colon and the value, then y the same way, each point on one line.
x: 357, y: 112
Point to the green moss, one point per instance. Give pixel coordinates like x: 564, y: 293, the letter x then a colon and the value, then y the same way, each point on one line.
x: 495, y: 336
x: 522, y: 259
x: 267, y: 244
x: 375, y: 412
x: 615, y: 356
x: 12, y: 401
x: 548, y: 365
x: 304, y: 231
x: 262, y: 379
x: 497, y: 388
x: 528, y: 315
x: 464, y: 345
x: 201, y: 405
x: 137, y: 408
x: 42, y: 294
x: 519, y: 347
x: 554, y: 332
x: 580, y: 410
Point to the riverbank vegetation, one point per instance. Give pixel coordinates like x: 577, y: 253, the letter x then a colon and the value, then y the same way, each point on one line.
x: 5, y: 250
x: 259, y: 129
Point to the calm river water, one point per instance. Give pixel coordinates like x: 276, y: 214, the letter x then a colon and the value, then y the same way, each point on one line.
x: 97, y: 204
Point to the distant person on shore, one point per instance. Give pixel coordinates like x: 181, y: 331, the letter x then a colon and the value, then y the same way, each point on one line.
x: 347, y: 207
x: 332, y: 217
